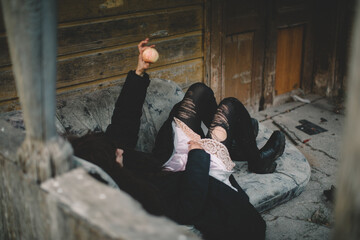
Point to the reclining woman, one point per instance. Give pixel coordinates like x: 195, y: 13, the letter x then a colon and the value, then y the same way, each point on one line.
x: 187, y: 177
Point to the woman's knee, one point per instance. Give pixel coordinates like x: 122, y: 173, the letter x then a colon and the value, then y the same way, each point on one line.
x: 200, y: 89
x: 231, y: 102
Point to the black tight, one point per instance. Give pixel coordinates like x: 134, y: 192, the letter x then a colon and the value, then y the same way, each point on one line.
x: 229, y: 122
x: 198, y: 105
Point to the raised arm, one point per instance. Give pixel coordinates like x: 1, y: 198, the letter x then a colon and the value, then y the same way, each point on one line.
x: 125, y: 121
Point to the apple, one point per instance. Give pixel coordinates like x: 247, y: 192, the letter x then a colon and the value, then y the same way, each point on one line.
x: 150, y: 55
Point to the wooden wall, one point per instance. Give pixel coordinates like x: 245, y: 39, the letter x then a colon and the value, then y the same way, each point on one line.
x: 316, y: 62
x: 326, y: 33
x: 97, y: 44
x: 332, y: 26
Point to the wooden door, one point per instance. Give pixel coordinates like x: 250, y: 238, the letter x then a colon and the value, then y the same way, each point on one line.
x: 288, y: 59
x: 259, y: 49
x: 243, y: 50
x: 289, y: 50
x: 238, y: 67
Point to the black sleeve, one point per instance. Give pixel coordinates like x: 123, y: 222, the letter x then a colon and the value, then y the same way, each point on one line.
x: 140, y: 161
x: 147, y: 194
x: 125, y: 121
x: 194, y: 186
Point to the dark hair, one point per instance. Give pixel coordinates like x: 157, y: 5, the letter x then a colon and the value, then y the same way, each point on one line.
x: 98, y: 149
x: 95, y: 148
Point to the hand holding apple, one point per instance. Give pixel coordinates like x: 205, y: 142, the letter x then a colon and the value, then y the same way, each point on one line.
x: 147, y: 55
x: 150, y: 55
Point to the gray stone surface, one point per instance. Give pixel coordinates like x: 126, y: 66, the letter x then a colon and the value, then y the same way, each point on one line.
x: 310, y: 215
x: 284, y: 108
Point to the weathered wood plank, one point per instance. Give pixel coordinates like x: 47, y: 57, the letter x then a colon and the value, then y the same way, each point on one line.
x: 183, y: 73
x: 124, y: 219
x: 89, y: 36
x: 70, y: 10
x: 121, y: 60
x: 103, y: 64
x: 131, y: 29
x: 9, y: 105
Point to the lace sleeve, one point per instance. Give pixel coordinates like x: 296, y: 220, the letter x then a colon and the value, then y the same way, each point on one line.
x: 211, y: 146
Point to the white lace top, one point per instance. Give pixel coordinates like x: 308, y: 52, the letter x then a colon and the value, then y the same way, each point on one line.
x: 221, y: 164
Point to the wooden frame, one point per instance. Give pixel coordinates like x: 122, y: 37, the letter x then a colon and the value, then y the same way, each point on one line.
x: 213, y: 45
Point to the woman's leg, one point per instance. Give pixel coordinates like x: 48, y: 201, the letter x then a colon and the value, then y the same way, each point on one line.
x: 232, y: 122
x: 198, y: 105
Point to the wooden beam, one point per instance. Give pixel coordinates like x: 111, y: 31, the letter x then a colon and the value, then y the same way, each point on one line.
x: 216, y: 36
x: 32, y: 43
x: 347, y: 210
x: 207, y: 42
x: 31, y: 32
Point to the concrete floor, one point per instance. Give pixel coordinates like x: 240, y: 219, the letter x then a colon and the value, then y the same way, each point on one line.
x: 310, y: 215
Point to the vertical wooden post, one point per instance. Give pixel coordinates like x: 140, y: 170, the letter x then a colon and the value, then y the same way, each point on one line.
x: 216, y: 36
x: 347, y: 210
x: 31, y: 31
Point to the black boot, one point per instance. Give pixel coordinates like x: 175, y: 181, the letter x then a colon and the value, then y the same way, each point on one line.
x: 237, y: 153
x: 273, y: 149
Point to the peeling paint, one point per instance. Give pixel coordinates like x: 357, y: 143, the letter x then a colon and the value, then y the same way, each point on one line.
x: 160, y: 33
x: 321, y: 79
x: 245, y: 77
x: 111, y: 4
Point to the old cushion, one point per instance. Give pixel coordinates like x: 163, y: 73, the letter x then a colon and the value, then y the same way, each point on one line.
x: 81, y: 113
